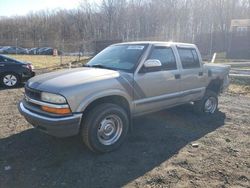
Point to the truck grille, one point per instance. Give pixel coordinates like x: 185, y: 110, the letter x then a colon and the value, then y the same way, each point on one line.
x: 33, y: 94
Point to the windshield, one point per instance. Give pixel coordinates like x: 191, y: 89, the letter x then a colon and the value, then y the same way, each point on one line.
x: 118, y: 57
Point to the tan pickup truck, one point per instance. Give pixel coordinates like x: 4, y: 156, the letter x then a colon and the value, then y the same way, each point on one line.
x: 125, y: 80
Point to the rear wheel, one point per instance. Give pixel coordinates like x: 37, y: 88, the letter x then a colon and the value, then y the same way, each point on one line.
x: 10, y: 80
x: 105, y: 127
x: 208, y: 104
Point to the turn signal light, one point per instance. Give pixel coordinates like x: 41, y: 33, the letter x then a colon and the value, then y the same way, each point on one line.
x: 61, y: 111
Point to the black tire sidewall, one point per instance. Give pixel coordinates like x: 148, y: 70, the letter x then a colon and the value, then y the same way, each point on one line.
x: 94, y: 122
x: 199, y: 106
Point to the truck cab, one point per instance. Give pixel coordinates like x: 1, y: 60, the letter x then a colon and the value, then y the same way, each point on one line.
x: 179, y: 78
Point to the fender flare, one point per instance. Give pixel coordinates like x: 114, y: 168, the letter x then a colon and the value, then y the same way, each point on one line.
x: 91, y: 98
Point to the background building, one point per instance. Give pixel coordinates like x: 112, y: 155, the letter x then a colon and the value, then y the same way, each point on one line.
x: 239, y: 40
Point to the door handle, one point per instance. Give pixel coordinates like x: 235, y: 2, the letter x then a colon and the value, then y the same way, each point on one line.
x: 200, y: 73
x: 177, y: 76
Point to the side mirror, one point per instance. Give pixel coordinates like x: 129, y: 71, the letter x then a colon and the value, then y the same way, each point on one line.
x: 152, y: 63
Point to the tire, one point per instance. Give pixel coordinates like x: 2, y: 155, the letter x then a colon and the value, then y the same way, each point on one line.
x: 105, y: 127
x: 208, y: 105
x: 10, y: 80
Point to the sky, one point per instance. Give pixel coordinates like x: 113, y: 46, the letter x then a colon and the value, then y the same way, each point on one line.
x: 22, y: 7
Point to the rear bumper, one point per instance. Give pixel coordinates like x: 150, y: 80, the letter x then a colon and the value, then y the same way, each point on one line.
x: 55, y: 126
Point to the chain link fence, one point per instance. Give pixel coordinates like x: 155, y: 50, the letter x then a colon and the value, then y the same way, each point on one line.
x: 48, y: 54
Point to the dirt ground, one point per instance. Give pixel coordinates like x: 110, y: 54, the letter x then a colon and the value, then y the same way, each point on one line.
x: 158, y: 153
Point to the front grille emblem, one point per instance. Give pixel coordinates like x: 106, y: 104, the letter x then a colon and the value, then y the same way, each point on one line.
x: 26, y: 98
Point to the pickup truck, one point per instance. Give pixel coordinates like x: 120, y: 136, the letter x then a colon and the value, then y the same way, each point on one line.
x: 125, y: 80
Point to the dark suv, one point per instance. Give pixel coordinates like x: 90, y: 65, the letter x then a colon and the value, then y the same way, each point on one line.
x: 13, y: 72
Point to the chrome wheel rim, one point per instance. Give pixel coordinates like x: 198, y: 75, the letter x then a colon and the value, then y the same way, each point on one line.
x: 210, y: 105
x: 110, y: 130
x: 9, y: 80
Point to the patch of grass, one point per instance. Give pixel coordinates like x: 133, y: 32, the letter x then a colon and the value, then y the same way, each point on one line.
x: 241, y: 81
x: 240, y: 86
x: 239, y: 89
x: 47, y: 61
x: 221, y: 55
x: 221, y: 58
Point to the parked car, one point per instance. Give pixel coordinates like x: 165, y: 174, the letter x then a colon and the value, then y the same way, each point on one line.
x: 13, y: 50
x: 123, y: 81
x: 13, y: 72
x: 33, y: 51
x: 47, y: 51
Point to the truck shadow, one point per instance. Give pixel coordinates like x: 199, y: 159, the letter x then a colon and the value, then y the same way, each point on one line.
x: 38, y: 160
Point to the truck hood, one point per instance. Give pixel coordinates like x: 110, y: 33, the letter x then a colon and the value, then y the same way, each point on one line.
x: 58, y: 81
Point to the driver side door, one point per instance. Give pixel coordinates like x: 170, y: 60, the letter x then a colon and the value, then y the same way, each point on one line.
x: 160, y: 86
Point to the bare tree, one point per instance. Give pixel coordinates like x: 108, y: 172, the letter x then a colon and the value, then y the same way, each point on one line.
x: 179, y: 20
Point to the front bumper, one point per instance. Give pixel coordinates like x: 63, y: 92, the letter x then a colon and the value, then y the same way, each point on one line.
x: 27, y: 75
x: 55, y: 126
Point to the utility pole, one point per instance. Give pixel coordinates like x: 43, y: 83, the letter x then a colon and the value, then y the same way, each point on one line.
x: 39, y: 41
x: 62, y: 51
x: 211, y: 40
x: 16, y: 46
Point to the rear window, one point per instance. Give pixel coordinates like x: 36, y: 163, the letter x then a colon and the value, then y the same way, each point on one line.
x: 189, y: 58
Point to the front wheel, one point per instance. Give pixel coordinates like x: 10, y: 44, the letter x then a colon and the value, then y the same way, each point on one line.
x: 105, y: 127
x: 10, y: 80
x: 208, y: 104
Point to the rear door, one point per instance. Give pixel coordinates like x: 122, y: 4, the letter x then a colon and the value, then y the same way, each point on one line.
x: 159, y: 87
x: 192, y: 74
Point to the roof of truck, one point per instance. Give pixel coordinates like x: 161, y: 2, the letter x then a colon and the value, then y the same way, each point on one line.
x: 161, y: 42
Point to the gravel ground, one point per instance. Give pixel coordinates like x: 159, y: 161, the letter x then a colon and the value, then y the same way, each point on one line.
x: 158, y: 153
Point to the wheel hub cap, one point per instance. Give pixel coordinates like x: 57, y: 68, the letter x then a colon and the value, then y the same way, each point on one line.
x: 110, y: 130
x: 9, y: 80
x: 210, y: 105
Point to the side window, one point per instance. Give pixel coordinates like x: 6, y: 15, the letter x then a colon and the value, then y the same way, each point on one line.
x: 1, y: 59
x: 189, y: 58
x: 4, y: 59
x: 166, y: 57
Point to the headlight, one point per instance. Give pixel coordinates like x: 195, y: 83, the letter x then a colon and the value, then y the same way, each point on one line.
x: 52, y: 98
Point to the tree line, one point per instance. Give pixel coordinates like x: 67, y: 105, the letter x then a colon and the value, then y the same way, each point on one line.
x: 128, y: 20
